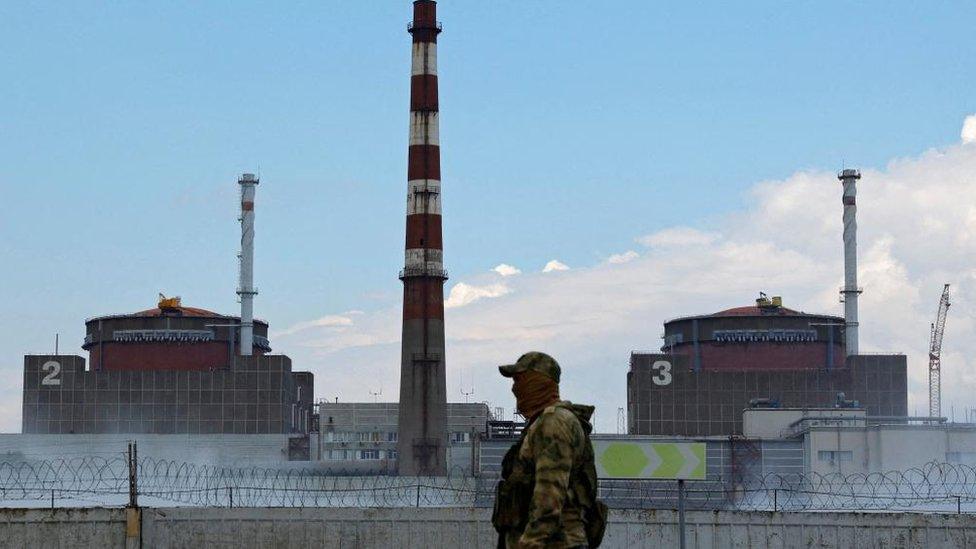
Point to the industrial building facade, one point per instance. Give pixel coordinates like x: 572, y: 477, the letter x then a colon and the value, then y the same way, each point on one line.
x: 666, y: 396
x: 764, y: 336
x: 167, y: 370
x: 168, y: 337
x: 260, y: 396
x: 363, y: 436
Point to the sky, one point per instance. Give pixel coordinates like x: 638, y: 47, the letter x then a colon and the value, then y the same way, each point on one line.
x: 654, y: 160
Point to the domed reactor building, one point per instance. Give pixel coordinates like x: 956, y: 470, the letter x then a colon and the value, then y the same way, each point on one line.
x: 168, y: 337
x: 173, y: 369
x: 712, y: 367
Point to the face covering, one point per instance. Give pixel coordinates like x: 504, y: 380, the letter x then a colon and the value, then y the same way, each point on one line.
x: 533, y: 392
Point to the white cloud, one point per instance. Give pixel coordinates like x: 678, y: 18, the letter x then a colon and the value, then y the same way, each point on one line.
x: 505, y: 269
x: 465, y: 294
x: 917, y: 231
x: 968, y: 133
x: 678, y: 236
x: 625, y: 257
x: 327, y: 321
x: 555, y: 265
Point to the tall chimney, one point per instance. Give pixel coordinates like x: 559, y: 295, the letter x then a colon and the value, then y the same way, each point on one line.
x: 423, y: 395
x: 850, y: 291
x: 245, y: 288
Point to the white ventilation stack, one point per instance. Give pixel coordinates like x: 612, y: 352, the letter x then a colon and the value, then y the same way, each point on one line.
x: 850, y: 291
x: 246, y: 290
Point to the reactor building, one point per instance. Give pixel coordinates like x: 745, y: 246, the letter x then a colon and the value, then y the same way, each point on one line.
x: 173, y: 369
x: 712, y: 367
x: 168, y: 337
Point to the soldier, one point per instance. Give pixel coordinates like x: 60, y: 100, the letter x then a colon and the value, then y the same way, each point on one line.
x: 547, y: 495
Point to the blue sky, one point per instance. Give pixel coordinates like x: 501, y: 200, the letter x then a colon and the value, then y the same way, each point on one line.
x: 568, y: 130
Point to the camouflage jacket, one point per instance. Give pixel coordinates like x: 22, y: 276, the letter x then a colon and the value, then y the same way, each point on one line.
x: 537, y: 504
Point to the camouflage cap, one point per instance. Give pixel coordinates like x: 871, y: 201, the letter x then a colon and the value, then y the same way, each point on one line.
x: 539, y: 362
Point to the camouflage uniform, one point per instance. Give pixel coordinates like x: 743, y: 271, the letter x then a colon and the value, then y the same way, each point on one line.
x: 548, y: 477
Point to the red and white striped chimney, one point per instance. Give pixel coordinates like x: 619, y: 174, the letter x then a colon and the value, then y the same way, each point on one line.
x: 422, y: 442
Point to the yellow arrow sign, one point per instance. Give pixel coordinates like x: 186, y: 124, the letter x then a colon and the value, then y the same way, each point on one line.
x: 650, y: 460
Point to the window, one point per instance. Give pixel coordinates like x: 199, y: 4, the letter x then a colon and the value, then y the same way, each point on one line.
x: 364, y: 437
x: 391, y: 454
x: 835, y: 455
x: 391, y: 437
x: 460, y: 436
x: 369, y: 454
x: 339, y: 436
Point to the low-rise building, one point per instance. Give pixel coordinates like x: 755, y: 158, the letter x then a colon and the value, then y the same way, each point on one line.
x: 361, y: 437
x: 846, y: 441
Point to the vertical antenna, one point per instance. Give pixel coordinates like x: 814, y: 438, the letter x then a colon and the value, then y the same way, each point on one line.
x: 463, y: 392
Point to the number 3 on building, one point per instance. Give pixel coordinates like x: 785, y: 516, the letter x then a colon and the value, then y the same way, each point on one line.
x: 53, y: 369
x: 662, y: 368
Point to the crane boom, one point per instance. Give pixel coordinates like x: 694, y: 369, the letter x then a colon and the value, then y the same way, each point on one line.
x: 935, y: 355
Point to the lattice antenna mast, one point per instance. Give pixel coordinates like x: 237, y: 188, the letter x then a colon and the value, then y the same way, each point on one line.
x: 935, y: 356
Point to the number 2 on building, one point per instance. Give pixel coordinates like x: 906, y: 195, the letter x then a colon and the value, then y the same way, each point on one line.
x: 53, y: 369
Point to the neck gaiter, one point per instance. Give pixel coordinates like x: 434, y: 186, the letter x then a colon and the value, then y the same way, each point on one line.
x: 533, y: 392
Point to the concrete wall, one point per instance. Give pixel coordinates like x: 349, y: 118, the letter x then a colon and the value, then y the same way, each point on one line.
x: 229, y: 450
x: 41, y: 529
x: 422, y: 528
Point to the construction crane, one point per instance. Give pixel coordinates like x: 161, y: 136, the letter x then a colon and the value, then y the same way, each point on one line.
x: 935, y: 356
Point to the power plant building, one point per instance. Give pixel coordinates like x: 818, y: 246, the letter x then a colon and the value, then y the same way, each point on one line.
x: 169, y: 370
x: 712, y: 367
x: 764, y: 336
x: 362, y: 437
x: 168, y: 337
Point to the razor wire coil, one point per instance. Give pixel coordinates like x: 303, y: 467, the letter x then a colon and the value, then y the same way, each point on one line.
x: 104, y: 480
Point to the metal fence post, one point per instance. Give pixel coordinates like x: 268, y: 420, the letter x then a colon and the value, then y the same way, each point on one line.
x: 133, y: 475
x: 958, y: 505
x: 230, y: 494
x: 418, y: 493
x: 775, y: 499
x: 681, y: 513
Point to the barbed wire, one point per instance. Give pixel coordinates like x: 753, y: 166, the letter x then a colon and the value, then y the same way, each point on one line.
x: 104, y: 480
x: 934, y: 486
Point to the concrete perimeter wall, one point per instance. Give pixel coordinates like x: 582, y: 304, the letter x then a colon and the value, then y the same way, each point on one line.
x: 463, y: 527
